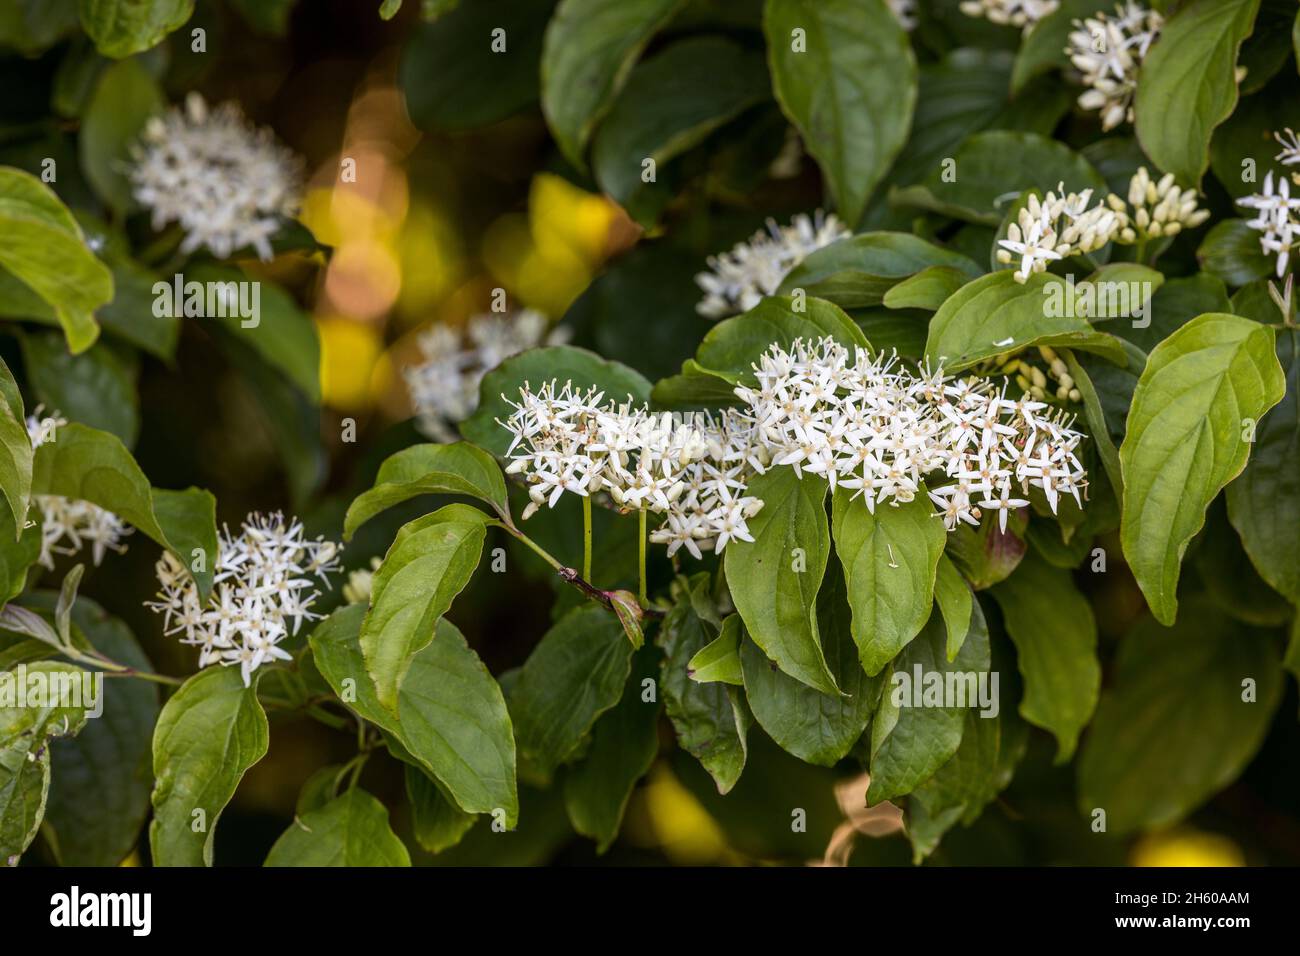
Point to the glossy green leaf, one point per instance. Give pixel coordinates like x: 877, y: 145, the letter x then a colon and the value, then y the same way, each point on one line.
x: 987, y: 554
x: 995, y: 314
x: 711, y: 720
x: 573, y: 676
x: 1264, y: 501
x: 816, y: 727
x: 438, y: 822
x: 909, y: 743
x: 624, y: 742
x: 1231, y: 251
x: 775, y: 579
x: 123, y: 27
x: 671, y: 102
x: 855, y: 125
x: 42, y: 245
x: 1186, y: 440
x: 587, y: 55
x: 928, y: 289
x: 94, y: 466
x: 1177, y: 725
x: 457, y: 469
x: 110, y: 758
x: 15, y: 457
x: 430, y: 562
x: 350, y: 830
x: 954, y: 598
x: 25, y: 734
x: 889, y: 560
x: 452, y: 717
x: 124, y: 99
x: 1187, y: 87
x: 96, y: 388
x: 1055, y: 634
x: 209, y: 733
x: 991, y: 166
x: 719, y: 660
x: 861, y: 270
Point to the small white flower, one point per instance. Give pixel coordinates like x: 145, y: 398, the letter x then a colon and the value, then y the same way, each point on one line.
x: 1276, y: 219
x: 227, y: 183
x: 69, y: 524
x: 1016, y: 13
x: 1107, y: 51
x: 739, y: 279
x: 262, y: 593
x: 444, y: 385
x: 905, y: 12
x: 1290, y: 144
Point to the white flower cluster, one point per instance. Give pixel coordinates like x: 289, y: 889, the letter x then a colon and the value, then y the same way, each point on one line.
x: 226, y: 182
x: 1015, y: 13
x: 739, y: 279
x: 1054, y: 228
x: 904, y: 12
x: 1108, y: 50
x: 444, y: 386
x: 69, y: 524
x: 859, y: 422
x: 1276, y: 218
x: 1064, y: 225
x: 692, y: 469
x: 871, y: 425
x: 261, y: 596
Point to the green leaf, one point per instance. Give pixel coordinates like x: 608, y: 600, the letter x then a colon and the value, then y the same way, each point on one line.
x: 775, y: 579
x: 95, y: 388
x: 996, y: 314
x: 719, y: 660
x: 672, y: 101
x: 733, y: 346
x: 94, y: 466
x: 1175, y: 303
x: 861, y: 270
x: 954, y: 597
x: 15, y: 457
x: 991, y: 166
x: 1055, y: 635
x: 890, y: 560
x: 454, y: 80
x: 1231, y: 252
x: 1264, y: 502
x: 350, y: 830
x: 458, y: 469
x: 430, y: 562
x: 110, y: 758
x: 452, y: 717
x: 928, y: 289
x: 587, y: 54
x: 848, y: 82
x: 1095, y: 416
x: 817, y: 728
x: 438, y: 822
x: 125, y: 97
x: 19, y: 550
x: 561, y: 363
x: 1247, y: 135
x: 1184, y: 441
x: 711, y: 720
x: 25, y: 733
x: 283, y: 334
x: 123, y: 27
x: 42, y: 245
x: 1187, y: 87
x: 573, y: 676
x: 910, y: 743
x: 624, y: 743
x: 1176, y: 726
x: 209, y: 733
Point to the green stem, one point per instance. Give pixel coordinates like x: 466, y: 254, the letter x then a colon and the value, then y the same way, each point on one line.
x: 114, y: 669
x: 586, y: 537
x: 641, y: 556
